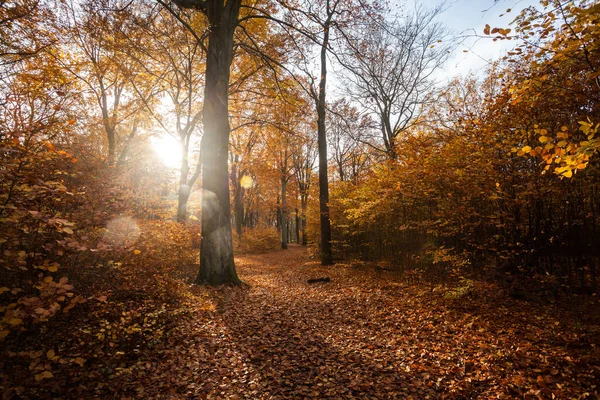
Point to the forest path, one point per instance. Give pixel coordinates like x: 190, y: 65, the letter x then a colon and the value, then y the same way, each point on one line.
x: 365, y: 335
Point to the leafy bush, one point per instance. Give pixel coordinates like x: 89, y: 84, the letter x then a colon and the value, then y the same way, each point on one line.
x: 257, y: 240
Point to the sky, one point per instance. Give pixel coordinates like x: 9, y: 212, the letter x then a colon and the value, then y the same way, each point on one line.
x: 465, y: 18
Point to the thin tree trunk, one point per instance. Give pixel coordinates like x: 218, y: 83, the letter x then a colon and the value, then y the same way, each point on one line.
x: 184, y: 188
x: 278, y: 216
x: 304, y: 205
x: 284, y: 222
x: 112, y: 147
x: 238, y: 202
x: 297, y: 227
x: 326, y: 252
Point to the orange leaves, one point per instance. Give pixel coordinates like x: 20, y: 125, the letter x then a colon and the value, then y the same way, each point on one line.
x: 502, y: 32
x: 44, y: 375
x: 567, y: 156
x: 79, y: 361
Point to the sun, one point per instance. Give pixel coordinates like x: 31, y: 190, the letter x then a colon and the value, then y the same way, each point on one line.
x: 168, y: 150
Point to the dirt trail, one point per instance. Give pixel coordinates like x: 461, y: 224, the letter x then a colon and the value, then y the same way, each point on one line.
x: 364, y: 335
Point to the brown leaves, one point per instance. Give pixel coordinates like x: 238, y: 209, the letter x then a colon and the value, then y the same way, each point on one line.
x: 366, y: 334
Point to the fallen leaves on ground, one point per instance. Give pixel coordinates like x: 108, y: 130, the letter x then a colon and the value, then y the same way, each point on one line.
x: 366, y: 334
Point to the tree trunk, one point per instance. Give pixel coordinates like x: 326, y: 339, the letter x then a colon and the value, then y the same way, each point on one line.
x: 239, y: 211
x: 238, y: 202
x: 284, y: 224
x: 297, y: 227
x: 112, y: 147
x: 184, y: 188
x: 304, y: 205
x: 326, y: 253
x: 278, y: 216
x: 216, y: 246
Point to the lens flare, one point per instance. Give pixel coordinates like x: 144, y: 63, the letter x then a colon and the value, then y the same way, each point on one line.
x: 121, y: 231
x: 246, y: 182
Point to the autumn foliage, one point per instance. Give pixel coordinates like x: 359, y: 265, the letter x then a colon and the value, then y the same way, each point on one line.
x: 465, y: 215
x: 500, y: 179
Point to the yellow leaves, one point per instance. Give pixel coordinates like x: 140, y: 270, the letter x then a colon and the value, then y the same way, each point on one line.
x: 14, y: 321
x: 48, y: 266
x: 565, y: 172
x: 567, y: 156
x: 589, y: 129
x: 4, y: 289
x: 4, y: 334
x: 136, y: 252
x: 43, y: 375
x: 51, y: 354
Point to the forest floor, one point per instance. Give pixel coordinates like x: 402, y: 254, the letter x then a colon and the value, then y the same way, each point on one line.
x: 365, y: 334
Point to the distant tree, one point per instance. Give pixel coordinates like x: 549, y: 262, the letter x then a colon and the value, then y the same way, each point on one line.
x: 177, y: 61
x: 314, y: 26
x: 304, y: 162
x: 350, y: 140
x: 100, y: 63
x: 25, y: 30
x: 390, y: 68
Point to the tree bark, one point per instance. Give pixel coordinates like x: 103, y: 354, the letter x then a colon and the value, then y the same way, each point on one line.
x: 326, y: 252
x: 216, y: 246
x: 284, y: 224
x: 238, y: 201
x: 304, y: 205
x: 297, y: 227
x: 184, y: 188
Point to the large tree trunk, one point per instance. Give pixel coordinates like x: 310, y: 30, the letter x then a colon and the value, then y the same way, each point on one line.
x: 216, y: 246
x: 326, y: 253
